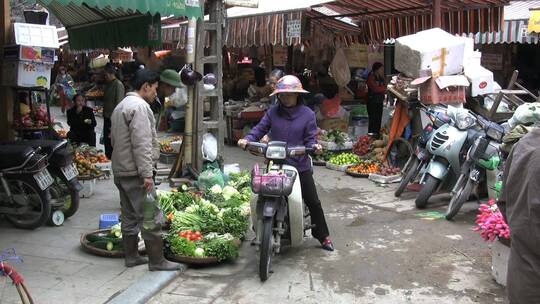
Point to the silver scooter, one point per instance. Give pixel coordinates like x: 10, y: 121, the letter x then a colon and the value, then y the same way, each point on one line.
x: 448, y: 145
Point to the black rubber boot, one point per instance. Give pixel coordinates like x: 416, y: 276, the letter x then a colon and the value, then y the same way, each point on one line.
x: 131, y: 251
x: 157, y: 261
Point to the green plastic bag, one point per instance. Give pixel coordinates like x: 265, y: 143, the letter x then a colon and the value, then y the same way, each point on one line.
x: 210, y: 177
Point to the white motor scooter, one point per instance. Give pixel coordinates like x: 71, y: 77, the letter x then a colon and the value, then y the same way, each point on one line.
x: 277, y: 208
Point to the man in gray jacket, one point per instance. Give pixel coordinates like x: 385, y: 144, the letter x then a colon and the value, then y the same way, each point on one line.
x: 520, y: 206
x: 135, y: 151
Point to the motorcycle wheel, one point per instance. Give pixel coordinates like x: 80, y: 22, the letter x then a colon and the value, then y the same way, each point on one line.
x: 41, y: 211
x: 428, y: 188
x: 265, y: 260
x: 61, y: 191
x: 410, y: 173
x: 458, y: 199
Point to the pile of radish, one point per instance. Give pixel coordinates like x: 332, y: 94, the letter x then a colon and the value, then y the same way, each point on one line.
x: 490, y: 222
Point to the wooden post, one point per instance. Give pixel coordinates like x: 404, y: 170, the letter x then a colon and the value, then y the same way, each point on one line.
x: 6, y: 93
x: 436, y: 13
x: 190, y: 106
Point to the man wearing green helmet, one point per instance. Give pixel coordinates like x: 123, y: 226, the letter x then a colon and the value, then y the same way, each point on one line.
x: 169, y: 80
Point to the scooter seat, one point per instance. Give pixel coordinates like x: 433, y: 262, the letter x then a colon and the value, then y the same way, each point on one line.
x: 14, y: 155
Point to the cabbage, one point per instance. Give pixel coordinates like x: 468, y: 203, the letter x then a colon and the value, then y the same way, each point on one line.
x: 229, y: 192
x: 199, y: 252
x: 216, y: 189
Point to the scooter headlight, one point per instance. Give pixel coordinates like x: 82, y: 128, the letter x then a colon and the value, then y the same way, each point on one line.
x: 464, y: 120
x: 276, y: 152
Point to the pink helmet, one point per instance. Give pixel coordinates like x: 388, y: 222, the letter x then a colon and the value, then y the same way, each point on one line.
x: 289, y: 84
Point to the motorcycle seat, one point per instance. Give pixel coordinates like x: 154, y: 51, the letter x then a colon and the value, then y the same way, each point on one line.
x: 14, y: 155
x: 47, y: 146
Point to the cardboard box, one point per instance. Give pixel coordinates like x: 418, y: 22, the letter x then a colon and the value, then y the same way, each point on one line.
x: 433, y: 49
x: 481, y: 80
x: 26, y: 74
x: 443, y: 89
x: 334, y: 124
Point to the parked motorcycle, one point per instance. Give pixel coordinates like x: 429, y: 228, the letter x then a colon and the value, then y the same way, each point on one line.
x: 482, y: 155
x: 66, y: 186
x: 277, y: 208
x: 448, y: 145
x: 421, y: 156
x: 24, y: 194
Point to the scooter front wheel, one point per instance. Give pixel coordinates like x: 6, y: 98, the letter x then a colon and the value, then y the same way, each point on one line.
x: 458, y: 199
x: 265, y: 260
x: 430, y: 185
x: 411, y: 172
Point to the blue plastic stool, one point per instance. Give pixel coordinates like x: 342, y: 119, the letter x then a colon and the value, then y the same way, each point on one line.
x: 108, y: 220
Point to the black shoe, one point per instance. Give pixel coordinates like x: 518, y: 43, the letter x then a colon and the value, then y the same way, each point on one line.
x: 327, y: 244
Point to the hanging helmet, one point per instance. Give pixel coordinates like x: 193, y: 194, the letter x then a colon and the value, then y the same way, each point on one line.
x: 188, y: 76
x: 289, y: 84
x: 210, y: 78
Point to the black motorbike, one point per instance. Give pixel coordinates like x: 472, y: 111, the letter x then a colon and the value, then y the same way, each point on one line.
x: 420, y: 158
x: 65, y: 189
x: 24, y: 194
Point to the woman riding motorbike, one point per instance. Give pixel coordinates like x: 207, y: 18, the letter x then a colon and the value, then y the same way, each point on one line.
x: 294, y: 123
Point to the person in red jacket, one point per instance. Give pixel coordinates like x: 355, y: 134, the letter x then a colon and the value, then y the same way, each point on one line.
x: 376, y: 95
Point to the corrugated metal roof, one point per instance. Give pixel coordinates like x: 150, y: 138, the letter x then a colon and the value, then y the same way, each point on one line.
x: 392, y: 8
x: 274, y: 6
x: 74, y: 15
x: 517, y: 10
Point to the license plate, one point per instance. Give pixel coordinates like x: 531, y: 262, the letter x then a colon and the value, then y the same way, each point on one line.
x: 70, y: 172
x: 44, y: 179
x: 421, y: 153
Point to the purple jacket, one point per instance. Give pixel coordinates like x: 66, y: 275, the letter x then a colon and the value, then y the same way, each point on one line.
x: 296, y: 126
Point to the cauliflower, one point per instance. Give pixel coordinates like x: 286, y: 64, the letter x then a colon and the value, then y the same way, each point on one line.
x: 229, y: 192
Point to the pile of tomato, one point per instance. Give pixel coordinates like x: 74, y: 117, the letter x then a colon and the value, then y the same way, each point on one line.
x: 191, y: 235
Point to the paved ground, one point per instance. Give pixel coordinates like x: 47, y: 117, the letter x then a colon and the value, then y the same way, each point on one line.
x: 386, y: 253
x: 55, y: 268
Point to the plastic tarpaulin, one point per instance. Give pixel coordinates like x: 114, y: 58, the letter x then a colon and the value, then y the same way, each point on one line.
x: 93, y: 24
x: 178, y: 8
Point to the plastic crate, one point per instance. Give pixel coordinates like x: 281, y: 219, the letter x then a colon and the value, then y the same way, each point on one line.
x: 88, y: 187
x: 108, y: 220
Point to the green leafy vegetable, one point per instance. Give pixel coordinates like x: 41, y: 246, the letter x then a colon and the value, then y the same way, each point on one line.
x: 240, y: 180
x: 235, y: 222
x: 221, y: 248
x: 181, y: 246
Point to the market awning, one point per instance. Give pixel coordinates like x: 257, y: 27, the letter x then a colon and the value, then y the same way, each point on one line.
x: 394, y: 18
x: 515, y: 27
x: 117, y: 23
x: 513, y: 31
x: 268, y: 26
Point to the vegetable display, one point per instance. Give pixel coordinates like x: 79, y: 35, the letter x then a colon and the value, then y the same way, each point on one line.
x: 365, y: 168
x: 344, y: 159
x: 336, y: 136
x: 165, y: 145
x: 207, y: 225
x: 111, y: 241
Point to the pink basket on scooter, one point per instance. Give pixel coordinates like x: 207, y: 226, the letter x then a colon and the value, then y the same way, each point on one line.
x: 273, y: 183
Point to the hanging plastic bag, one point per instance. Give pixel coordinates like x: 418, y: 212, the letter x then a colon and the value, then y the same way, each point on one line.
x: 152, y: 214
x: 209, y: 147
x: 340, y: 69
